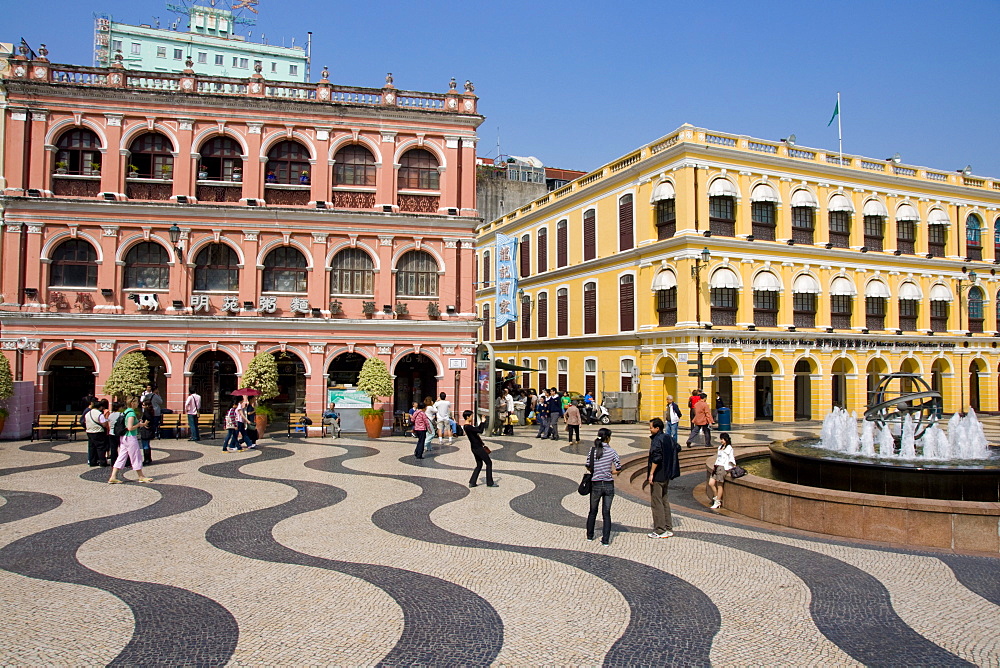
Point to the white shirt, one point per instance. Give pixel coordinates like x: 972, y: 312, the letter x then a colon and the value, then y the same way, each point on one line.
x: 431, y: 412
x: 443, y: 409
x: 95, y: 421
x: 672, y: 414
x: 510, y: 403
x: 725, y: 458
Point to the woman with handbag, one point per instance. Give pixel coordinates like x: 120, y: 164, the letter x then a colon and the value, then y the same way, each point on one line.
x: 603, y: 463
x: 725, y: 460
x: 250, y: 413
x: 129, y: 450
x: 421, y: 423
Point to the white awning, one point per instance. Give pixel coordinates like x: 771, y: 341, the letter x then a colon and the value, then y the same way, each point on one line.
x: 840, y: 203
x: 803, y: 197
x: 873, y: 207
x: 664, y: 281
x: 765, y: 281
x: 763, y: 193
x: 938, y: 217
x: 722, y: 188
x: 806, y: 284
x: 910, y: 291
x: 842, y: 286
x: 906, y: 212
x: 724, y: 278
x: 877, y: 289
x: 663, y: 191
x: 941, y: 293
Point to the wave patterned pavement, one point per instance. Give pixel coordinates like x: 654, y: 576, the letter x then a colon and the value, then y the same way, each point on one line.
x: 352, y: 552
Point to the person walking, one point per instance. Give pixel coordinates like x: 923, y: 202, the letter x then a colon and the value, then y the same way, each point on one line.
x: 192, y: 405
x: 232, y: 442
x: 604, y: 463
x: 724, y: 461
x: 542, y: 414
x: 432, y: 418
x: 129, y: 449
x: 479, y: 451
x: 573, y: 419
x: 147, y: 420
x: 96, y: 427
x: 114, y: 441
x: 152, y: 395
x: 443, y: 416
x: 672, y: 417
x: 421, y: 423
x: 555, y: 412
x: 701, y: 421
x: 250, y: 413
x: 663, y: 465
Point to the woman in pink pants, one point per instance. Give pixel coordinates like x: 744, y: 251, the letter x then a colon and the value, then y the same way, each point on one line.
x: 129, y: 449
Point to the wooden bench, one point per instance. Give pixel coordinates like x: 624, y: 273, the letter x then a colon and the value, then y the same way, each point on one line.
x: 175, y: 422
x: 206, y: 424
x: 295, y: 426
x: 52, y: 424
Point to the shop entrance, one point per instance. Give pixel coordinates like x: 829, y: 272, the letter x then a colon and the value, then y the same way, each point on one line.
x: 291, y: 384
x: 415, y: 380
x: 345, y: 368
x: 974, y: 385
x: 841, y: 369
x: 213, y: 376
x: 763, y: 390
x: 803, y: 390
x: 71, y: 381
x: 157, y: 371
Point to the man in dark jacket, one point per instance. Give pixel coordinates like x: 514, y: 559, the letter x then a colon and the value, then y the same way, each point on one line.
x: 664, y: 465
x: 555, y: 414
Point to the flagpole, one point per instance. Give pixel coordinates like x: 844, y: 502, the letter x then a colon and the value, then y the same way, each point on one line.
x: 840, y: 130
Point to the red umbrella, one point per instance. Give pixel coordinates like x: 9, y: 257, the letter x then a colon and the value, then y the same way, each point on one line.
x: 246, y: 392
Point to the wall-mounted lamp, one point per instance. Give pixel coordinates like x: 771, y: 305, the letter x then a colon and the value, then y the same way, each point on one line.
x: 177, y: 304
x: 450, y: 309
x: 829, y: 330
x: 896, y: 158
x: 107, y: 292
x: 387, y: 309
x: 790, y: 140
x: 175, y: 238
x: 967, y: 171
x: 828, y: 245
x: 248, y: 306
x: 317, y: 313
x: 31, y: 292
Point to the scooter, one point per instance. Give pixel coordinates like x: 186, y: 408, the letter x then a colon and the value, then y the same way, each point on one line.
x: 598, y: 415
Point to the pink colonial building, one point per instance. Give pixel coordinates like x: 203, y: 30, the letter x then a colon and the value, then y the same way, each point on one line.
x: 203, y: 220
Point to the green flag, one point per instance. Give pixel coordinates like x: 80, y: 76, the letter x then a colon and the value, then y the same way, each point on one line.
x: 836, y: 111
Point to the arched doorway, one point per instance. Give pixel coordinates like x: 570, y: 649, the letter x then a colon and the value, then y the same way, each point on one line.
x: 938, y: 370
x: 415, y: 379
x: 763, y: 390
x: 725, y: 369
x: 666, y: 367
x: 803, y: 390
x: 841, y: 369
x: 157, y: 371
x: 344, y: 369
x: 975, y: 368
x: 291, y: 383
x: 213, y: 376
x: 876, y: 369
x: 71, y: 381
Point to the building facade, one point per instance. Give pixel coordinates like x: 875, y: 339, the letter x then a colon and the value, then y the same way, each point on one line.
x: 796, y: 276
x: 211, y: 43
x: 204, y: 225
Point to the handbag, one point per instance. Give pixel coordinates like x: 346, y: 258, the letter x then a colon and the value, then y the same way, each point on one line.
x: 486, y: 450
x: 737, y: 472
x: 587, y: 483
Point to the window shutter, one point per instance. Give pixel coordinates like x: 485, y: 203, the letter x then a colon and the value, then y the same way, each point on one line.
x: 590, y: 308
x: 590, y: 384
x: 626, y: 298
x: 525, y: 251
x: 543, y: 251
x: 562, y: 313
x: 486, y: 269
x: 562, y: 254
x: 526, y: 317
x: 625, y: 233
x: 486, y: 322
x: 543, y: 316
x: 589, y: 235
x: 510, y: 330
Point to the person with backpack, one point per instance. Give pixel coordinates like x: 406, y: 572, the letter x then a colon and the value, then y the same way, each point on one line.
x: 95, y: 423
x: 663, y: 465
x: 146, y: 433
x: 604, y: 463
x: 128, y: 425
x: 672, y: 417
x: 114, y: 441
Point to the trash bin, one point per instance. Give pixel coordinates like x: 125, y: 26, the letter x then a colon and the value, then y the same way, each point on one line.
x: 725, y: 419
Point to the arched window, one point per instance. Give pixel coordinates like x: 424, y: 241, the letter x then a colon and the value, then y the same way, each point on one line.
x: 626, y: 302
x: 804, y: 206
x: 766, y: 289
x: 352, y: 273
x: 940, y: 306
x: 146, y: 267
x: 354, y: 165
x: 626, y: 228
x: 840, y: 211
x: 976, y: 298
x: 875, y: 215
x: 287, y: 164
x: 724, y: 296
x: 78, y: 151
x: 74, y: 265
x: 216, y: 267
x: 664, y: 198
x: 722, y: 208
x: 284, y: 270
x: 221, y: 160
x: 996, y: 239
x: 417, y: 275
x: 151, y: 157
x: 763, y: 216
x: 418, y: 170
x: 974, y: 237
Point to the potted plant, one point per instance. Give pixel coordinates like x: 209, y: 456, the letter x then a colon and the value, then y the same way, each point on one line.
x: 61, y: 167
x: 202, y: 172
x: 402, y: 308
x: 95, y: 168
x: 237, y: 173
x: 262, y: 375
x: 6, y: 389
x: 336, y: 307
x: 165, y: 171
x: 133, y: 172
x: 368, y: 308
x: 374, y: 380
x: 264, y: 416
x: 433, y: 310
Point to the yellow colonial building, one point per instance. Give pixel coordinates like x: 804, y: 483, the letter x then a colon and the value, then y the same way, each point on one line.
x: 797, y: 276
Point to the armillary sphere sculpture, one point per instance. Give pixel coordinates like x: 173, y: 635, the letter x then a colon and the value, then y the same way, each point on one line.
x: 902, y: 394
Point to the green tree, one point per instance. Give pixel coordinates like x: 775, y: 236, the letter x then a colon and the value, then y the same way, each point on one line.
x: 374, y: 379
x: 262, y: 375
x: 128, y: 377
x: 6, y: 384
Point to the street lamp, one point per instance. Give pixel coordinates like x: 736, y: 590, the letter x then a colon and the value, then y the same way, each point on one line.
x: 961, y: 365
x: 175, y: 237
x: 700, y: 262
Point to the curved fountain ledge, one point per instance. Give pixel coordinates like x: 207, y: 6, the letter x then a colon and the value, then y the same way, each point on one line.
x: 972, y: 526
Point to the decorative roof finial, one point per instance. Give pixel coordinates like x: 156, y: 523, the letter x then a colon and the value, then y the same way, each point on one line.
x: 469, y: 88
x: 325, y: 74
x: 43, y: 52
x: 452, y: 84
x: 388, y: 80
x: 258, y: 67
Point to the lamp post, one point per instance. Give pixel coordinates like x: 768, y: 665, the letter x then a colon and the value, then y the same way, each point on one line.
x: 700, y: 262
x: 961, y: 366
x: 175, y: 238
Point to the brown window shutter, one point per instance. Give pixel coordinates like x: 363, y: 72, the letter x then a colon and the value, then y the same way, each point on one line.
x: 562, y: 252
x: 626, y: 297
x: 543, y: 316
x: 510, y: 330
x: 590, y: 384
x: 543, y: 251
x: 589, y: 235
x: 562, y: 313
x: 563, y: 382
x: 525, y: 317
x: 525, y: 251
x: 486, y: 322
x: 625, y: 233
x: 486, y: 270
x: 590, y: 308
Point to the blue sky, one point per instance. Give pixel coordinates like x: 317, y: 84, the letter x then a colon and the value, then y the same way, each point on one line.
x: 579, y: 84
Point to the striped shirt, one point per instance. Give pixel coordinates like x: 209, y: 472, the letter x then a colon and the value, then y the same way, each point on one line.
x: 602, y: 466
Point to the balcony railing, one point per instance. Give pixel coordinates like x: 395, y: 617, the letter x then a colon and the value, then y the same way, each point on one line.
x: 287, y: 195
x: 935, y: 250
x: 976, y: 325
x: 804, y: 319
x: 219, y: 193
x: 908, y: 323
x: 763, y: 318
x: 418, y: 203
x: 763, y: 231
x: 668, y: 317
x: 905, y: 246
x: 722, y: 228
x: 939, y: 324
x: 840, y: 239
x: 149, y: 189
x: 840, y: 321
x: 666, y: 231
x: 875, y: 322
x: 802, y: 235
x: 344, y: 199
x: 64, y: 185
x: 724, y: 316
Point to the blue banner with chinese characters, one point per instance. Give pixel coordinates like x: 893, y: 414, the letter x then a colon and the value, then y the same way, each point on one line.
x: 506, y: 306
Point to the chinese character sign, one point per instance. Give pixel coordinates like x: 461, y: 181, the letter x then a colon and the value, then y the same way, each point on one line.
x: 506, y: 306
